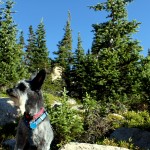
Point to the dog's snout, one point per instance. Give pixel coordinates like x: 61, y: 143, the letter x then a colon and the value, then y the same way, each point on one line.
x: 8, y: 91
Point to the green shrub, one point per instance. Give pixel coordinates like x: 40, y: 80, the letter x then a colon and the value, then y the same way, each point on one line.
x: 131, y: 119
x: 54, y: 87
x: 112, y: 142
x: 49, y: 99
x: 3, y: 92
x: 116, y: 120
x: 139, y: 119
x: 66, y: 122
x: 95, y: 123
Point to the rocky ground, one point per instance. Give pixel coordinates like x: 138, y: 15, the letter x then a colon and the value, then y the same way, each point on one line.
x: 86, y: 146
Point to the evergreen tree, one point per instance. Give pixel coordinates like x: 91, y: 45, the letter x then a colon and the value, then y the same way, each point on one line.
x: 30, y: 50
x: 117, y: 54
x: 78, y: 72
x: 42, y: 54
x: 64, y: 53
x: 21, y: 40
x: 11, y: 66
x: 145, y: 77
x: 79, y: 53
x: 149, y: 52
x: 37, y: 56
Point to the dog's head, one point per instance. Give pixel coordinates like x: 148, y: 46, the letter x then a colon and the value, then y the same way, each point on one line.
x: 26, y: 94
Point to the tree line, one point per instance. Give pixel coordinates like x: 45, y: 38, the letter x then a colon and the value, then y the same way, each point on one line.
x: 112, y: 70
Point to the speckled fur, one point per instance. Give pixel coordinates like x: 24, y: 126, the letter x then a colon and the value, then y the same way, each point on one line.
x: 27, y: 96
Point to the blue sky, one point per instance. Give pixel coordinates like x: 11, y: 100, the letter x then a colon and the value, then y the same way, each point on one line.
x: 54, y: 14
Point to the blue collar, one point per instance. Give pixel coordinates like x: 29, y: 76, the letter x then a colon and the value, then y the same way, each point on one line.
x: 32, y: 124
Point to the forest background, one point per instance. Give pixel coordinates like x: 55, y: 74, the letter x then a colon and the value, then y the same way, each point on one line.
x: 113, y: 72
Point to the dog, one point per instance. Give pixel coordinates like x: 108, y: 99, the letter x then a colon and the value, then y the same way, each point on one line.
x: 34, y: 131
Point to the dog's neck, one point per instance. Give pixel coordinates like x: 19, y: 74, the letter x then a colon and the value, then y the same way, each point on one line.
x: 22, y: 104
x: 34, y: 108
x: 35, y: 116
x: 22, y: 108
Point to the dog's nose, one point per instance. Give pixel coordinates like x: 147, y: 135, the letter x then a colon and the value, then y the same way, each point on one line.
x: 8, y: 91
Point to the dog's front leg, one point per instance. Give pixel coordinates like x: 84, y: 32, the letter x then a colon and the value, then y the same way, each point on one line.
x: 21, y: 136
x: 20, y: 142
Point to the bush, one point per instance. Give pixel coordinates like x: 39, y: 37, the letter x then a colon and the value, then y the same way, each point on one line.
x: 96, y: 125
x: 66, y: 122
x: 49, y: 99
x: 124, y: 144
x: 131, y: 119
x: 137, y: 119
x: 116, y: 120
x: 54, y: 87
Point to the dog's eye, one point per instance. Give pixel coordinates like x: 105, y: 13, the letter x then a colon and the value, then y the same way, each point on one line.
x: 21, y: 87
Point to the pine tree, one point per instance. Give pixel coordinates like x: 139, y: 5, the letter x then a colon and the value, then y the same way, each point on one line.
x: 11, y: 66
x: 30, y: 50
x: 64, y: 53
x: 149, y: 52
x: 78, y: 72
x: 116, y: 52
x: 42, y: 54
x: 145, y: 77
x: 21, y: 40
x: 37, y: 55
x: 79, y: 53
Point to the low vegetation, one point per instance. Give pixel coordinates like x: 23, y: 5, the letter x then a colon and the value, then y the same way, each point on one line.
x: 111, y: 80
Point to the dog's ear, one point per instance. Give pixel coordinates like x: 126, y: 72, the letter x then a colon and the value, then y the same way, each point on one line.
x: 37, y: 82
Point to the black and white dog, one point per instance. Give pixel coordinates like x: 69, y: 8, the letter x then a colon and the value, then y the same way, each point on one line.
x: 34, y: 131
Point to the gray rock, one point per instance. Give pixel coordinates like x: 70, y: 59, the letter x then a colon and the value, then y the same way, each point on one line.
x: 9, y: 144
x: 139, y: 137
x: 9, y: 112
x: 86, y: 146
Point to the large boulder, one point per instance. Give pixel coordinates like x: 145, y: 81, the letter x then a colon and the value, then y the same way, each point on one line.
x: 86, y: 146
x: 139, y: 137
x: 9, y: 112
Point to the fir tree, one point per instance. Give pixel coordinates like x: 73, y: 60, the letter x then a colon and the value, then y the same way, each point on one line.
x: 64, y: 53
x: 145, y: 77
x: 30, y: 50
x: 21, y: 40
x: 78, y: 72
x: 149, y: 52
x: 117, y: 54
x: 42, y: 54
x: 36, y: 50
x: 79, y: 53
x: 11, y: 66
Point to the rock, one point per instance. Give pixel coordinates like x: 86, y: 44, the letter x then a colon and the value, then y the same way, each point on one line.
x: 9, y: 144
x: 116, y: 115
x: 139, y: 137
x: 56, y: 73
x: 86, y: 146
x: 78, y: 108
x: 72, y: 101
x: 56, y: 104
x: 9, y: 112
